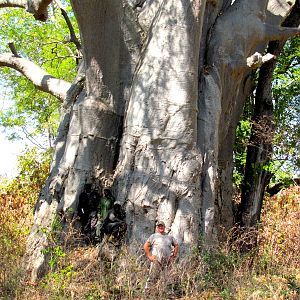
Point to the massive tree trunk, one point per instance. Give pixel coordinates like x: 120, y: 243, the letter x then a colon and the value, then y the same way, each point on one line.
x: 159, y: 169
x: 165, y: 83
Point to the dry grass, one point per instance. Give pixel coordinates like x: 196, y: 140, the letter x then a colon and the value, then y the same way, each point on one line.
x: 15, y: 216
x: 280, y: 228
x: 271, y: 271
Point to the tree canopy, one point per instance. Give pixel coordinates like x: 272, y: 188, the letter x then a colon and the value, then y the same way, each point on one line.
x: 27, y: 111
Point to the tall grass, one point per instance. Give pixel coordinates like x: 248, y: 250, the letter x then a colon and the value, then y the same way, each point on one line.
x: 15, y: 219
x: 270, y: 271
x: 17, y: 199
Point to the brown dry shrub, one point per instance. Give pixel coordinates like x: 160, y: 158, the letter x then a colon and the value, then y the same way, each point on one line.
x: 16, y: 218
x: 280, y: 228
x: 80, y: 273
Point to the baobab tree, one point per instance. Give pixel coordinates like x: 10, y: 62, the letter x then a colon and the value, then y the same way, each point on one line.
x: 153, y: 110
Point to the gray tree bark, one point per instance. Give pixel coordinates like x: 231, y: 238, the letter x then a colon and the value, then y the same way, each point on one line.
x: 164, y: 86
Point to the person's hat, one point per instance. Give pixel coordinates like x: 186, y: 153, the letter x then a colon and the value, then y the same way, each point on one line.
x: 117, y: 203
x: 160, y: 223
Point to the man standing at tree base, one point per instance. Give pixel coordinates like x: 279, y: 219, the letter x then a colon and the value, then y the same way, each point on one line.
x: 161, y: 249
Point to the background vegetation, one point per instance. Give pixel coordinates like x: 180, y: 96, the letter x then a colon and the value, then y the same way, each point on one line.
x: 27, y: 112
x: 269, y: 271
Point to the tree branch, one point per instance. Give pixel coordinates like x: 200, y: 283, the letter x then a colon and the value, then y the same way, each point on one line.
x: 42, y: 80
x: 36, y: 7
x: 13, y: 50
x: 73, y: 36
x: 39, y: 9
x: 256, y: 60
x: 32, y: 139
x: 13, y: 3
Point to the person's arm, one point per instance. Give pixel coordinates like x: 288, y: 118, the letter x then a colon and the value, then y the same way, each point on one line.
x: 113, y: 218
x: 147, y: 249
x: 175, y: 248
x: 175, y: 251
x: 99, y: 209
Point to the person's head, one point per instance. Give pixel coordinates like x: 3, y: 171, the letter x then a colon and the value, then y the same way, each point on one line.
x: 160, y: 227
x: 117, y: 205
x: 106, y: 192
x: 88, y: 187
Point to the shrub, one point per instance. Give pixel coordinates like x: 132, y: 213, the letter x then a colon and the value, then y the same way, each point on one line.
x: 17, y: 199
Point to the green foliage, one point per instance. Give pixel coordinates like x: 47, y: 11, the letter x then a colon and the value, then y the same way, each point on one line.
x: 219, y: 267
x: 27, y: 110
x: 226, y: 294
x: 286, y: 91
x: 243, y: 132
x: 293, y: 284
x: 33, y: 167
x: 54, y: 253
x: 56, y: 282
x: 285, y: 161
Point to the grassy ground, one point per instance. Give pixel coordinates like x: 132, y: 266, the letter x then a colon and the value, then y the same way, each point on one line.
x: 270, y: 271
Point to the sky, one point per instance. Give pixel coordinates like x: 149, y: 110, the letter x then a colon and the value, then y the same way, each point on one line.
x: 9, y: 150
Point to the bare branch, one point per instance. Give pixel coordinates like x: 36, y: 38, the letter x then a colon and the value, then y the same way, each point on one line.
x: 13, y: 3
x: 39, y: 9
x: 58, y: 58
x: 32, y: 139
x: 64, y: 44
x: 42, y: 80
x: 13, y: 50
x: 73, y: 36
x: 256, y: 60
x: 280, y: 33
x: 36, y: 7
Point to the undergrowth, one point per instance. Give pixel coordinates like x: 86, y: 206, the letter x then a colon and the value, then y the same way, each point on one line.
x: 17, y: 199
x: 269, y: 271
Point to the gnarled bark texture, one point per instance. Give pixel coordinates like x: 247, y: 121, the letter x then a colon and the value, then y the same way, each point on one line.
x: 164, y: 86
x: 158, y: 174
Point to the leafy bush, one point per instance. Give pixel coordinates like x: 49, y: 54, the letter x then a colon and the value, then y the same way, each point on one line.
x: 17, y: 199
